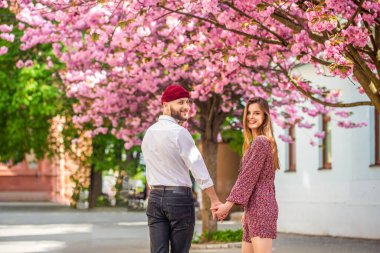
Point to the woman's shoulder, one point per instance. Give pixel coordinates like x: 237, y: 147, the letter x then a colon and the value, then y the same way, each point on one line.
x: 261, y: 142
x: 262, y: 139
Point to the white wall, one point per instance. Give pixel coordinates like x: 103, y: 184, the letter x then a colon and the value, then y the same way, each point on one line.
x: 343, y: 201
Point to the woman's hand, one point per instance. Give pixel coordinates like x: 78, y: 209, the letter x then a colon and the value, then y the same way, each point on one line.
x: 223, y: 210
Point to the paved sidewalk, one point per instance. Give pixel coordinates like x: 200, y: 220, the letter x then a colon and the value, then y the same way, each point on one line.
x: 291, y: 243
x: 28, y: 228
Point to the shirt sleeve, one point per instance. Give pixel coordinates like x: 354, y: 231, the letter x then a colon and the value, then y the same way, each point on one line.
x: 250, y: 172
x: 193, y: 159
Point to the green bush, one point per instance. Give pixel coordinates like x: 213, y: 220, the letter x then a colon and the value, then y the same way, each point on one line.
x: 102, y: 201
x: 220, y: 236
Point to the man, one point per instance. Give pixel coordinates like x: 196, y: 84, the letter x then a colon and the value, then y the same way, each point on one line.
x: 169, y: 153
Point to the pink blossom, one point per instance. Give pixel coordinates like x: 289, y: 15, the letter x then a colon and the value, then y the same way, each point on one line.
x: 128, y: 145
x: 29, y: 63
x: 358, y: 36
x: 305, y: 58
x: 20, y: 64
x: 60, y: 16
x: 144, y: 48
x: 232, y: 63
x: 7, y: 36
x: 49, y: 63
x: 343, y: 114
x: 190, y: 49
x: 21, y: 26
x: 3, y: 4
x: 143, y: 31
x: 305, y: 125
x: 321, y: 19
x: 286, y: 139
x: 3, y: 50
x: 97, y: 16
x: 210, y: 6
x: 312, y: 113
x: 267, y: 12
x: 320, y: 135
x: 4, y: 28
x: 313, y: 143
x: 350, y: 124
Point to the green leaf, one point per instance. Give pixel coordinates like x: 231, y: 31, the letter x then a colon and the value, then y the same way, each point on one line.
x: 125, y: 23
x: 94, y: 37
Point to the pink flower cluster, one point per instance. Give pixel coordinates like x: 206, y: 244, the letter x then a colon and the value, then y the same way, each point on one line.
x: 321, y: 19
x: 286, y: 139
x: 3, y: 50
x: 350, y: 124
x: 119, y: 56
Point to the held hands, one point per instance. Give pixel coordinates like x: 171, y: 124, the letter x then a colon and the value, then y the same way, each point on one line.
x: 214, y: 207
x: 221, y: 210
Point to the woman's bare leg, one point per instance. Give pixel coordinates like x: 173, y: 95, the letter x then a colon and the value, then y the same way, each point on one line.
x: 246, y: 247
x: 262, y: 245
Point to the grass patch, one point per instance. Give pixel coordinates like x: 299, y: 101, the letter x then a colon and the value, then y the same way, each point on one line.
x: 227, y: 235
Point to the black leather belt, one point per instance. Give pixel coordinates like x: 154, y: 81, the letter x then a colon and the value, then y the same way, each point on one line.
x: 171, y: 188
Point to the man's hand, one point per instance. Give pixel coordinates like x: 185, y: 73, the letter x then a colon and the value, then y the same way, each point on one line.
x: 214, y: 200
x: 214, y: 207
x: 223, y: 210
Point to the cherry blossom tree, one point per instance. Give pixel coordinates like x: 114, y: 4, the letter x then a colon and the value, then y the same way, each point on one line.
x: 120, y: 55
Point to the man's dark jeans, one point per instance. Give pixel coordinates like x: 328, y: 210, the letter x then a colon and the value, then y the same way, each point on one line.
x: 171, y: 219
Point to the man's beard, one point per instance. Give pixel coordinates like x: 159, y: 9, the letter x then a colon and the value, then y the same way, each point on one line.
x: 177, y: 115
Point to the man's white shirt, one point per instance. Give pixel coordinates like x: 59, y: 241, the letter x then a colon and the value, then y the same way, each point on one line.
x: 169, y: 152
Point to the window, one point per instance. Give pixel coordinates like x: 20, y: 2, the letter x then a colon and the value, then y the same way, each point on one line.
x: 326, y: 143
x: 377, y: 137
x: 292, y: 149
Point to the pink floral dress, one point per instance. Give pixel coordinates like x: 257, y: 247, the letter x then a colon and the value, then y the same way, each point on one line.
x: 254, y: 190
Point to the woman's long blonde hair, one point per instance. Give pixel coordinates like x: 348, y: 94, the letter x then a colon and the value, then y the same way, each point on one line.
x: 265, y: 129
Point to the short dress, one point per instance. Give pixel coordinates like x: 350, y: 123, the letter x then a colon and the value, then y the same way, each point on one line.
x: 254, y: 190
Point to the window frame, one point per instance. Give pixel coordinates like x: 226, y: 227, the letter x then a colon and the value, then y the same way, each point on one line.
x: 377, y: 137
x: 326, y: 125
x: 292, y: 154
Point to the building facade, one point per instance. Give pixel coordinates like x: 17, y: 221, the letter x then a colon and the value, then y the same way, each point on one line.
x: 44, y: 180
x: 332, y: 188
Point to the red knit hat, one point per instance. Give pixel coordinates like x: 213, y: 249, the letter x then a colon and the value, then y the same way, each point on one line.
x: 174, y: 92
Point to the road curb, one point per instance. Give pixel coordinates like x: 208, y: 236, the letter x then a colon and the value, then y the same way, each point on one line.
x: 232, y: 245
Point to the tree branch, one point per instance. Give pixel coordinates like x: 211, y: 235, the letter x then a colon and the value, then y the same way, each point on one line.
x: 360, y: 62
x: 373, y: 41
x: 281, y: 17
x: 195, y: 126
x: 257, y: 69
x: 211, y: 110
x: 310, y: 95
x: 364, y: 80
x: 320, y: 61
x: 354, y: 16
x: 269, y: 41
x: 232, y: 6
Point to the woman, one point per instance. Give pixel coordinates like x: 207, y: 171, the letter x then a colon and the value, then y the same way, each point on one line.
x: 254, y: 188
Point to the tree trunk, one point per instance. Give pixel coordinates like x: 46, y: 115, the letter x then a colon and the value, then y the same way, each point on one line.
x: 98, y: 149
x: 212, y: 118
x: 367, y: 79
x: 121, y: 171
x: 95, y: 186
x: 365, y: 83
x: 209, y: 153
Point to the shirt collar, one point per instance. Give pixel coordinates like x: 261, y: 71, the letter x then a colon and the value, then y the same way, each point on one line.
x: 169, y: 118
